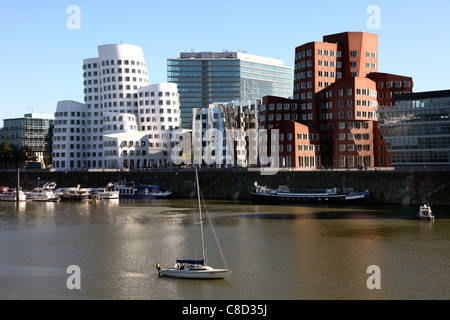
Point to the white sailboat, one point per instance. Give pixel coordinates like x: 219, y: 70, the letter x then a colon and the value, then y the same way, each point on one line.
x: 197, y: 269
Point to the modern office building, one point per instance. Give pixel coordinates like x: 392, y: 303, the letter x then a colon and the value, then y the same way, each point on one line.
x: 417, y: 130
x: 335, y: 84
x: 32, y: 130
x: 69, y: 139
x: 226, y: 134
x: 147, y: 143
x: 123, y: 123
x: 299, y: 144
x: 207, y: 77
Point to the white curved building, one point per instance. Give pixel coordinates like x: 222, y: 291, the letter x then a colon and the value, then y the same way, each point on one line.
x: 150, y: 146
x: 159, y: 115
x: 111, y: 82
x: 127, y: 122
x: 69, y: 135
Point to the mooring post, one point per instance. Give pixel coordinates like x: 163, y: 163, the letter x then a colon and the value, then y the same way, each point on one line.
x: 18, y: 184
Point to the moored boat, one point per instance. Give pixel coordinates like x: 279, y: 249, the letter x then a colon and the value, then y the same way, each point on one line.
x: 106, y: 193
x: 196, y: 269
x: 76, y: 194
x: 44, y: 193
x: 133, y: 191
x: 284, y: 194
x: 425, y: 213
x: 11, y: 195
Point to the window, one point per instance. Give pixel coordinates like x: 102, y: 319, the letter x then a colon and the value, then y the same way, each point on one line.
x: 350, y: 161
x: 353, y: 54
x: 341, y: 161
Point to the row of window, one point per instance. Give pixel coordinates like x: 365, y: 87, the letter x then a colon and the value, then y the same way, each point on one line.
x: 161, y: 111
x: 77, y: 146
x: 361, y: 161
x: 301, y: 148
x: 160, y: 103
x: 398, y: 84
x: 158, y: 119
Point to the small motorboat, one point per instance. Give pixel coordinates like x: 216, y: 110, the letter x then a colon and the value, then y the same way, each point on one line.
x: 425, y: 213
x: 44, y: 193
x: 106, y: 193
x: 11, y: 195
x: 76, y: 194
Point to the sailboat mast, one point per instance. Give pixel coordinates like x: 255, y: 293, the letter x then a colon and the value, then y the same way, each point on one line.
x: 200, y: 212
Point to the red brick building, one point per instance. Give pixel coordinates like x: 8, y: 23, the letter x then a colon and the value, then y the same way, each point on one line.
x: 299, y: 145
x: 337, y: 92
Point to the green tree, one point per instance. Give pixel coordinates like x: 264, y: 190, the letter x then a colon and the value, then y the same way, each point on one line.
x: 5, y: 153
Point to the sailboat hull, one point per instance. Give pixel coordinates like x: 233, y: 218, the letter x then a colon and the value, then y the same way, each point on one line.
x: 198, y: 274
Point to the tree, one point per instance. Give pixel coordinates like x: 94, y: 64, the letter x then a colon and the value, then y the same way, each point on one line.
x: 5, y: 153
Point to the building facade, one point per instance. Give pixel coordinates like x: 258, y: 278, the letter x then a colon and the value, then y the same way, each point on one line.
x: 32, y: 130
x: 123, y: 123
x: 147, y: 141
x: 299, y: 144
x: 207, y: 77
x: 417, y: 130
x: 69, y: 139
x: 335, y: 84
x: 230, y: 130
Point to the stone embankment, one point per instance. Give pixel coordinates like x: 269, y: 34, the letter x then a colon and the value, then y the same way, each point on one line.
x: 386, y: 187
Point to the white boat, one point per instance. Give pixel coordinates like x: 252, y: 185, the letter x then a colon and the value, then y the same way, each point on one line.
x: 44, y: 193
x: 76, y: 194
x: 425, y: 213
x: 197, y: 269
x: 106, y: 193
x: 11, y: 195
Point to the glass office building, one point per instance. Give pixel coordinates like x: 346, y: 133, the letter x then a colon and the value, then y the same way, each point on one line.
x: 32, y: 130
x: 417, y: 130
x: 207, y: 77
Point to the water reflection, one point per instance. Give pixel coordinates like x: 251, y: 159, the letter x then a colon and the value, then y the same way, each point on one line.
x: 310, y: 252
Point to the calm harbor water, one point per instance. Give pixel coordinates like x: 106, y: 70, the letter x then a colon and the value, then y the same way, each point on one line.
x: 276, y: 252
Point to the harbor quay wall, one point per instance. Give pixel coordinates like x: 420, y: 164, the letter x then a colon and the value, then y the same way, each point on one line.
x: 386, y: 187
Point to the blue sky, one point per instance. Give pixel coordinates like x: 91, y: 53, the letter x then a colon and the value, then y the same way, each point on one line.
x: 42, y: 58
